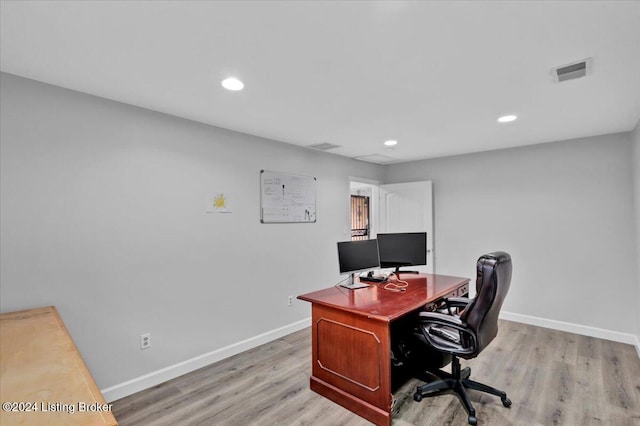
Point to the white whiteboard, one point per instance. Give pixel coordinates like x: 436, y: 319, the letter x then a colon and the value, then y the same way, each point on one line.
x: 286, y: 198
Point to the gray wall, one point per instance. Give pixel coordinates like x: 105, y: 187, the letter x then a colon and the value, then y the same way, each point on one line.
x: 564, y: 212
x: 635, y: 158
x: 103, y: 215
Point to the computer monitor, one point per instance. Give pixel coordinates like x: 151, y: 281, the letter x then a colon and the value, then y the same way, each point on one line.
x: 402, y: 249
x: 357, y: 256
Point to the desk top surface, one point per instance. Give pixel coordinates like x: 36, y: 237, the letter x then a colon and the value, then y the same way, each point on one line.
x: 376, y: 302
x: 42, y: 368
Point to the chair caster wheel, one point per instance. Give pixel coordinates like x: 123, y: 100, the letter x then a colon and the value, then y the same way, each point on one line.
x: 473, y: 421
x: 506, y: 402
x: 417, y: 397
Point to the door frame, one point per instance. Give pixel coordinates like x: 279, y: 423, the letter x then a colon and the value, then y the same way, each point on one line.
x: 429, y: 225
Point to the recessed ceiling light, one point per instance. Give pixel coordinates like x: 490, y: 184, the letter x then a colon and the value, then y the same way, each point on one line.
x: 507, y: 118
x: 232, y: 83
x: 391, y: 143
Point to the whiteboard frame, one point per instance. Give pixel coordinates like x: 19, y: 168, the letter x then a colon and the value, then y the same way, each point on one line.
x: 309, y: 185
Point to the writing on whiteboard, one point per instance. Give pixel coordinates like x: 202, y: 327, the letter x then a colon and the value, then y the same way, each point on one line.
x: 287, y: 198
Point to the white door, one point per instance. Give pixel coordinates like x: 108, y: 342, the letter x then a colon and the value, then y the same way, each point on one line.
x: 408, y: 207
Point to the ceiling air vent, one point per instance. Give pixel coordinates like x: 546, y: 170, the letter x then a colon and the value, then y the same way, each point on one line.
x: 325, y: 146
x: 572, y: 71
x: 375, y: 158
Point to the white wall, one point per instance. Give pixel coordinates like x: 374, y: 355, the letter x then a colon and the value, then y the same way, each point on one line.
x: 563, y: 210
x: 103, y: 215
x: 635, y: 158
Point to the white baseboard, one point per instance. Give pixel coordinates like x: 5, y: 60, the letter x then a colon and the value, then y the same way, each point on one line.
x: 156, y: 377
x: 584, y: 330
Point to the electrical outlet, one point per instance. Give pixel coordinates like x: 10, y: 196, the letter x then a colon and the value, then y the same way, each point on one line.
x: 290, y: 301
x: 145, y: 341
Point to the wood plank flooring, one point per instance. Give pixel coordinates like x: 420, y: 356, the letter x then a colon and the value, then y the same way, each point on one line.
x: 552, y: 377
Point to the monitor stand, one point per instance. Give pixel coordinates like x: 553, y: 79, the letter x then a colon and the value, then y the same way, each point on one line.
x: 352, y: 284
x: 398, y: 271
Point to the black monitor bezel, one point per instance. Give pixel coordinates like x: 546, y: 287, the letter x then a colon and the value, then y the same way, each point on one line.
x: 413, y: 260
x: 373, y: 264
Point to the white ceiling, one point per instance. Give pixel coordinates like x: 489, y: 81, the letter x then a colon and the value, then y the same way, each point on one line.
x: 433, y: 75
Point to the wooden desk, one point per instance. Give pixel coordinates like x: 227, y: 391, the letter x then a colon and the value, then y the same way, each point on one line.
x: 351, y: 339
x: 44, y: 379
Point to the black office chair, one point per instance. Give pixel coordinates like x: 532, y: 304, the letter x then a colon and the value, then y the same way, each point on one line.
x: 466, y: 334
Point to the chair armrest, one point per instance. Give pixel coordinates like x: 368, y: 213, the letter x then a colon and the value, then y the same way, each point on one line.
x: 439, y: 318
x: 453, y: 305
x: 457, y: 302
x: 427, y: 319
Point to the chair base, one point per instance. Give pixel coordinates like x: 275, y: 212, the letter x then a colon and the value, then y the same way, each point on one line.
x: 458, y: 381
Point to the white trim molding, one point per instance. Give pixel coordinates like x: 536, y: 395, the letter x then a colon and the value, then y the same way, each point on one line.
x: 154, y: 378
x: 584, y: 330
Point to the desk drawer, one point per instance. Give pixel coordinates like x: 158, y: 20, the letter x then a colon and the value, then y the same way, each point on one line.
x: 452, y: 294
x: 463, y: 291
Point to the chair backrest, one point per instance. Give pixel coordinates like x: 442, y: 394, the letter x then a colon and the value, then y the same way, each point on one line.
x: 492, y: 284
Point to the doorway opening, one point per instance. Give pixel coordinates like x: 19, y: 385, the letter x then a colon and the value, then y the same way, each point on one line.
x: 360, y: 217
x: 363, y: 201
x: 392, y: 208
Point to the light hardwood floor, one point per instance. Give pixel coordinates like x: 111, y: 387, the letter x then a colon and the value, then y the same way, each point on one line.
x: 552, y: 377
